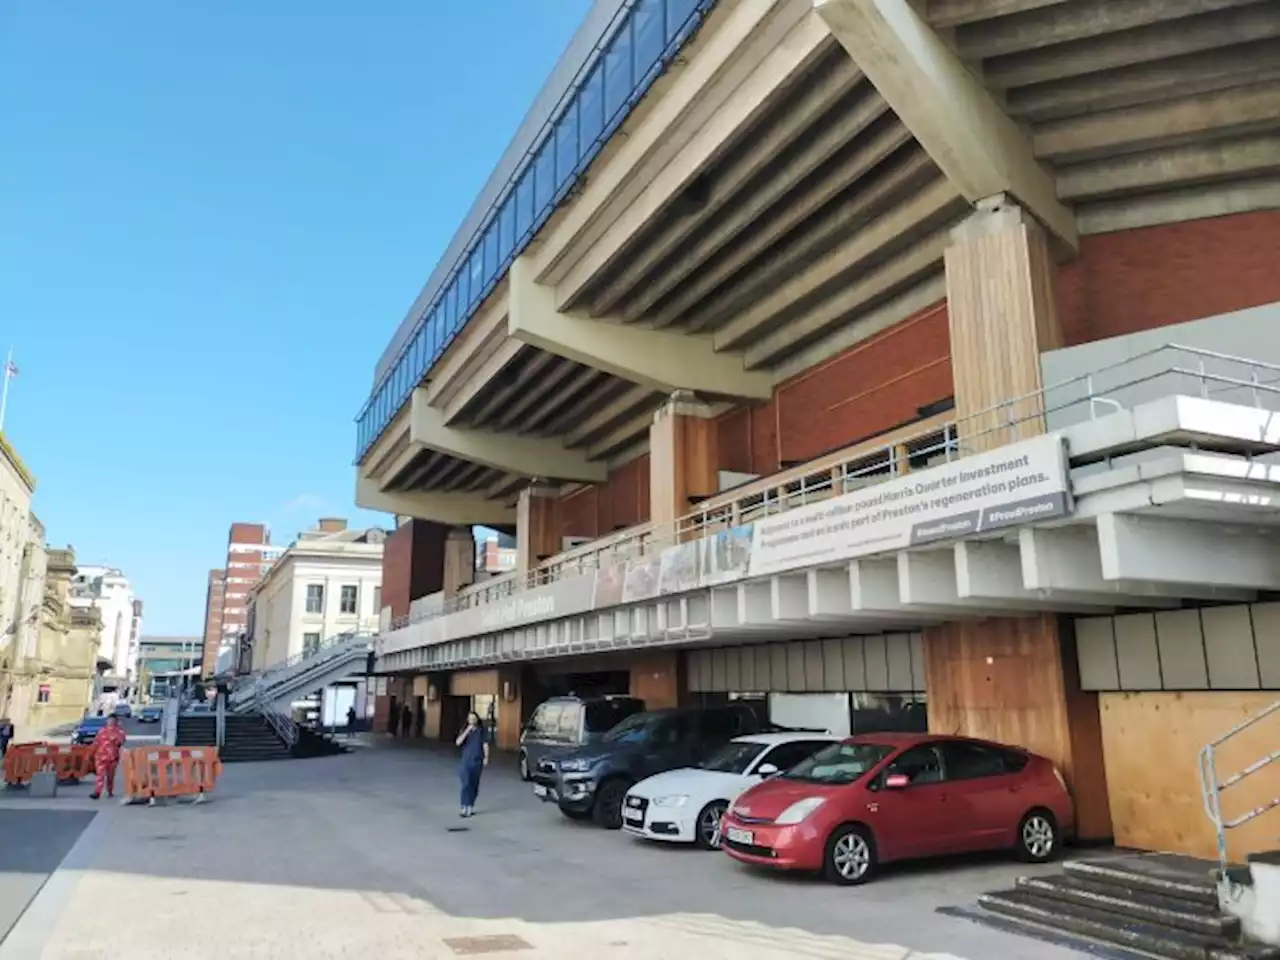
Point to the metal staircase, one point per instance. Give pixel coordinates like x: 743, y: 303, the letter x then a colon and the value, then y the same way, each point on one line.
x: 274, y: 688
x: 1212, y: 789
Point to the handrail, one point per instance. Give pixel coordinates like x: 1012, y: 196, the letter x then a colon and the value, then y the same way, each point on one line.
x: 1211, y: 788
x: 872, y: 463
x: 286, y: 728
x: 252, y: 688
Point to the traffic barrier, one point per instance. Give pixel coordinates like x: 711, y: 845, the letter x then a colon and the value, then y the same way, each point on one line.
x: 22, y: 761
x: 158, y: 773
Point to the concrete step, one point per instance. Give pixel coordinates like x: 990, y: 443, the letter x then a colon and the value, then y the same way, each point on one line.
x: 1089, y: 923
x: 1137, y: 904
x: 1181, y: 878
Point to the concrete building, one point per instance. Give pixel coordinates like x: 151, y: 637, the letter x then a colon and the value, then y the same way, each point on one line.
x: 495, y: 554
x: 328, y: 581
x: 838, y: 375
x: 108, y: 590
x: 165, y: 663
x: 249, y: 556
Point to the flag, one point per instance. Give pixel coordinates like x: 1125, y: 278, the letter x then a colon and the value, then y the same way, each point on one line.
x: 10, y: 369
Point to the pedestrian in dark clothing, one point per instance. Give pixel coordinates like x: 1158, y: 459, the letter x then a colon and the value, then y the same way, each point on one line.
x: 475, y: 757
x: 406, y: 720
x: 6, y: 734
x: 351, y: 719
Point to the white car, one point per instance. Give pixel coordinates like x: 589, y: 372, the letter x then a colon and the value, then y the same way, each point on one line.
x: 685, y: 806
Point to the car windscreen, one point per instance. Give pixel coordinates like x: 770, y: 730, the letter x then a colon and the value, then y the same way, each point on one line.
x: 839, y: 763
x: 604, y: 715
x: 96, y: 723
x: 733, y: 757
x: 635, y: 729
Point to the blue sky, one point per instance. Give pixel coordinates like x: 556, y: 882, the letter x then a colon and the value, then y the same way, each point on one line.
x: 212, y: 217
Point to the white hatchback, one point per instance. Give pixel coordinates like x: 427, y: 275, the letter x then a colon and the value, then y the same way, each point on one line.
x: 685, y: 806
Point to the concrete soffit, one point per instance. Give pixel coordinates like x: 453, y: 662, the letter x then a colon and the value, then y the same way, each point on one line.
x: 661, y: 360
x: 453, y: 508
x: 508, y: 452
x: 948, y: 110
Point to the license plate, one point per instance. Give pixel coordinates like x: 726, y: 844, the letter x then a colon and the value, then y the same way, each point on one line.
x: 745, y: 837
x: 540, y: 791
x: 633, y: 816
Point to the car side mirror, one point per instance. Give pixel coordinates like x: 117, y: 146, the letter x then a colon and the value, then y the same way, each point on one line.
x: 897, y: 781
x: 766, y: 770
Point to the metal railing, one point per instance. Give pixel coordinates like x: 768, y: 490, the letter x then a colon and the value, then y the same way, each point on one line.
x: 284, y: 726
x: 334, y: 647
x: 1114, y: 387
x: 1212, y: 788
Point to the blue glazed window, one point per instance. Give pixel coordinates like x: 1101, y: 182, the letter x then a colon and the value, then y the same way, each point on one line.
x: 524, y: 206
x: 507, y: 228
x: 591, y: 108
x: 650, y: 35
x: 491, y: 252
x: 544, y: 178
x: 617, y: 72
x: 477, y: 274
x: 678, y: 14
x: 567, y: 146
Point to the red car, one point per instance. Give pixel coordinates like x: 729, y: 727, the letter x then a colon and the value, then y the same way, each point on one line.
x: 871, y: 799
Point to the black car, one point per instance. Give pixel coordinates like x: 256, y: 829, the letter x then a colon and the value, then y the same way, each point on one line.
x: 591, y: 782
x: 562, y: 724
x: 87, y: 729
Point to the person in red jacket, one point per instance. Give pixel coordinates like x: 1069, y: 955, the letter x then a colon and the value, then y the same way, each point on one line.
x: 106, y: 755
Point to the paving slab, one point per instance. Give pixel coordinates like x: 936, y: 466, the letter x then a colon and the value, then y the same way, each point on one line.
x: 32, y: 844
x: 364, y: 855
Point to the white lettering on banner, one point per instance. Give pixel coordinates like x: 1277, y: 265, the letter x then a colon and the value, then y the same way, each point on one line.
x: 518, y: 610
x: 1015, y: 484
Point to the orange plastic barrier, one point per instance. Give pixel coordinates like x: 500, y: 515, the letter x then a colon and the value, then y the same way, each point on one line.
x: 152, y: 773
x: 22, y: 761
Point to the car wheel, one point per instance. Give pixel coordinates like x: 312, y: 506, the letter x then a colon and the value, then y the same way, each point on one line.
x: 524, y: 766
x: 608, y: 807
x: 706, y: 832
x: 1038, y: 838
x: 851, y: 856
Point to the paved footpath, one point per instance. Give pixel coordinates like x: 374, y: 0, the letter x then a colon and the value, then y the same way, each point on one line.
x: 364, y: 856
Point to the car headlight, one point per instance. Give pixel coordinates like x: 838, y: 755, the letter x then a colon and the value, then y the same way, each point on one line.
x: 799, y: 810
x: 672, y: 801
x: 579, y: 765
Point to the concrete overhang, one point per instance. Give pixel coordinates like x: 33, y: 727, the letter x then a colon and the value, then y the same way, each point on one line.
x: 660, y: 360
x: 452, y: 508
x: 508, y: 452
x: 953, y: 116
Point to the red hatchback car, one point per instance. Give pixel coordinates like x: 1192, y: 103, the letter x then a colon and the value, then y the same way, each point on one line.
x: 881, y: 797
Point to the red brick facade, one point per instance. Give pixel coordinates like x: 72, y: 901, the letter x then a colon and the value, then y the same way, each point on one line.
x: 622, y: 501
x: 871, y: 387
x: 412, y: 564
x: 1141, y: 279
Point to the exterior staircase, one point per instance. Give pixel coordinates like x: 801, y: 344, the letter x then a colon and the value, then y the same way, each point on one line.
x: 1146, y: 905
x: 278, y: 685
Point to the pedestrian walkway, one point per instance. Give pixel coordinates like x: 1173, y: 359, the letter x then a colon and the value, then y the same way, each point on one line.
x: 364, y: 855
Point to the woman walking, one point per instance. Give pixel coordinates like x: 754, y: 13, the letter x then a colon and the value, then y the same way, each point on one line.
x: 475, y: 757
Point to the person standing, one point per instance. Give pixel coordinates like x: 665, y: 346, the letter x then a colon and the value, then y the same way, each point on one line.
x: 475, y: 757
x: 106, y: 755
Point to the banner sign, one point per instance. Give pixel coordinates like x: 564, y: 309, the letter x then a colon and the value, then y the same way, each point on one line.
x: 1013, y: 485
x: 1006, y: 487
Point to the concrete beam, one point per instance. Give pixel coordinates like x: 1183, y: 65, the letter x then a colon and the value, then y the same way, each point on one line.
x: 657, y: 359
x: 789, y: 594
x: 1187, y: 552
x: 968, y: 134
x: 497, y: 360
x: 510, y: 453
x: 992, y: 570
x: 930, y: 579
x: 470, y: 346
x: 954, y: 13
x: 456, y: 509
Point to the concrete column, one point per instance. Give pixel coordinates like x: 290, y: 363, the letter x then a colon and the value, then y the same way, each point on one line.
x: 1003, y: 315
x: 459, y: 560
x: 683, y: 459
x: 510, y: 708
x: 535, y: 529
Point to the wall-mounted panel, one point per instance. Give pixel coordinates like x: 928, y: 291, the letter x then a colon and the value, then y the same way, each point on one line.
x: 1180, y: 640
x: 874, y: 649
x: 1266, y: 639
x: 1137, y: 654
x: 855, y: 664
x: 833, y: 665
x: 733, y: 669
x: 813, y: 673
x: 898, y: 651
x: 1229, y: 649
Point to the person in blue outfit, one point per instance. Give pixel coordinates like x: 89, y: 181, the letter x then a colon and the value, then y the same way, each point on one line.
x: 475, y: 757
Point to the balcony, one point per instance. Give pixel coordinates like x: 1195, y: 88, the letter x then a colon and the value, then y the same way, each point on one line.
x: 1143, y: 465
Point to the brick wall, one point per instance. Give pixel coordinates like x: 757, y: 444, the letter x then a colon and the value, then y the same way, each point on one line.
x: 412, y: 564
x: 622, y: 501
x: 869, y: 388
x: 1142, y: 279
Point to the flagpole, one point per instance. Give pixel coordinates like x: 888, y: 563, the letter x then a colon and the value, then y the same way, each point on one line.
x: 4, y: 391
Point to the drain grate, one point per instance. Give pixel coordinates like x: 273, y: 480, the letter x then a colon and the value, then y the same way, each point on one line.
x: 473, y: 946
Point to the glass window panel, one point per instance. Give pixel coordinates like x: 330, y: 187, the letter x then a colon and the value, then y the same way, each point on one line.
x: 678, y: 12
x: 491, y: 251
x: 435, y: 333
x: 544, y: 178
x: 450, y: 305
x: 507, y: 228
x: 524, y: 204
x: 591, y: 108
x: 618, y: 83
x: 650, y: 36
x: 464, y: 296
x: 476, y: 267
x: 567, y: 145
